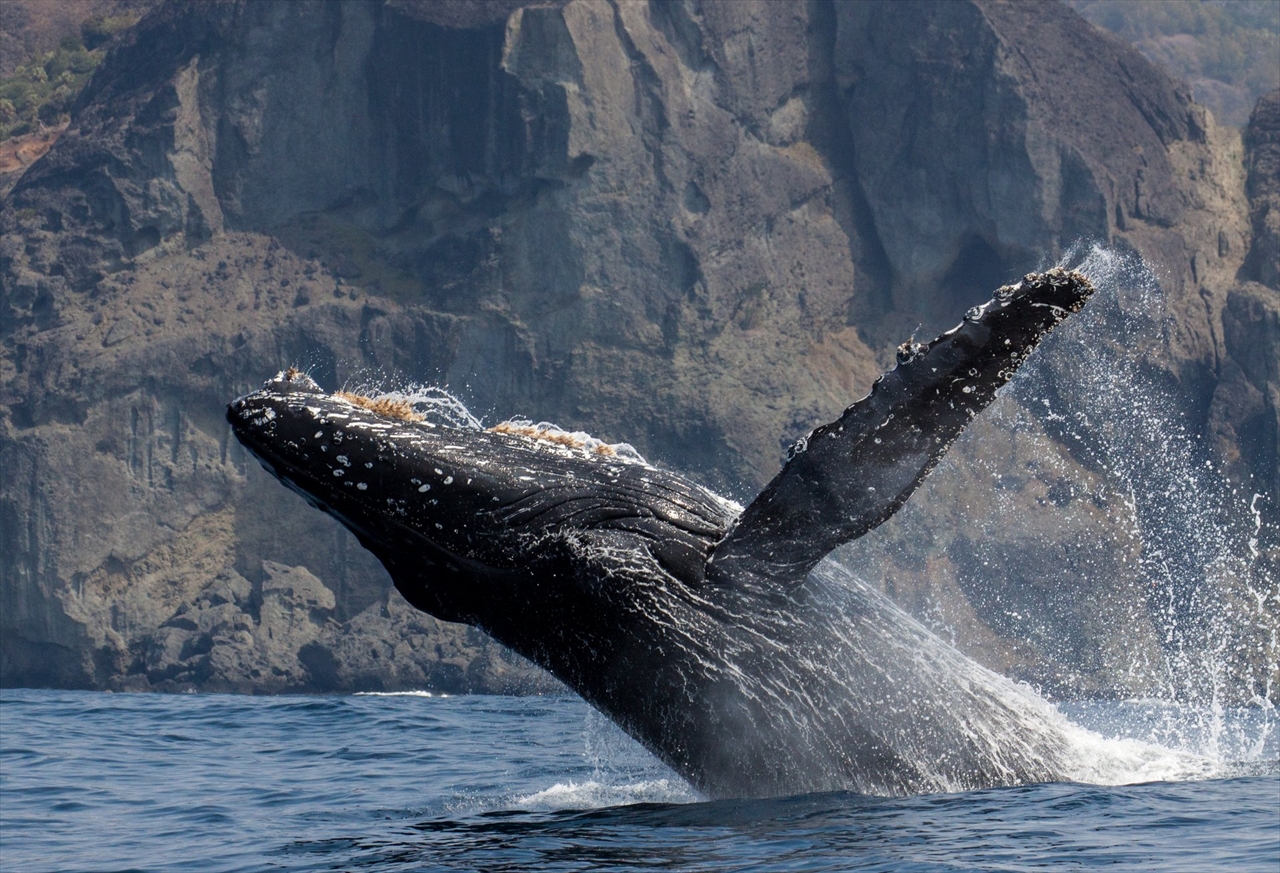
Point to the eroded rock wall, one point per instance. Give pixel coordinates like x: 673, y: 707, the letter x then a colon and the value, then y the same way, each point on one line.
x: 698, y: 227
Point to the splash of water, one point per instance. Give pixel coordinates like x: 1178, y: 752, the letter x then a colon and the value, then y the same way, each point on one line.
x: 1097, y: 413
x: 862, y: 653
x: 1206, y: 590
x: 435, y: 405
x: 1100, y: 388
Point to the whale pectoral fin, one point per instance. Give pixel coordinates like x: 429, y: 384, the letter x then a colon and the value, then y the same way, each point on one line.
x: 849, y: 476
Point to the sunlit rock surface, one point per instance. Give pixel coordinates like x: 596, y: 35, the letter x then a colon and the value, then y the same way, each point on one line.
x: 701, y: 228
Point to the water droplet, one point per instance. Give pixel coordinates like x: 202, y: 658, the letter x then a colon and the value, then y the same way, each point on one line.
x: 909, y: 351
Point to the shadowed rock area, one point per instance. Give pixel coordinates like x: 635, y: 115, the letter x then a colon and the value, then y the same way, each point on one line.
x: 699, y: 227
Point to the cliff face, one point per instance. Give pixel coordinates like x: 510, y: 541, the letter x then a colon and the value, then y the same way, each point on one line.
x: 1245, y: 414
x: 698, y: 227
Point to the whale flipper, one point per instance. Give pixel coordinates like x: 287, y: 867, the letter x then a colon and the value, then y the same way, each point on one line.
x: 847, y: 477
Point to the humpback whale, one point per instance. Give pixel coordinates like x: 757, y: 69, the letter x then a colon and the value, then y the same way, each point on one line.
x: 707, y: 631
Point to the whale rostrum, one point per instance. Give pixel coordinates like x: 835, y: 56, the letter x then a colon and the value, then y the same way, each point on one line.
x: 701, y: 628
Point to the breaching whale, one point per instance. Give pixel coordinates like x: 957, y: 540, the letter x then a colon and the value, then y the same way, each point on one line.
x: 701, y: 628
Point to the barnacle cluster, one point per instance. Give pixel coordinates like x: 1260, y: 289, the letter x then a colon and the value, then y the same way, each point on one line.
x: 552, y: 435
x: 392, y: 407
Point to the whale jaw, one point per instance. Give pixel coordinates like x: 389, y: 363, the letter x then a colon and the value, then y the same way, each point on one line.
x: 460, y: 516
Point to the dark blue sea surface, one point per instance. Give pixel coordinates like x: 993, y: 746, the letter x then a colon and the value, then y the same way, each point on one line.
x: 107, y: 782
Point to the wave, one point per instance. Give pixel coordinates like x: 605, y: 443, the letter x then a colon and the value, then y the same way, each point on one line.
x: 595, y: 795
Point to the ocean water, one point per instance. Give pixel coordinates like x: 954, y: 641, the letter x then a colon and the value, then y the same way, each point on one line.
x: 112, y: 782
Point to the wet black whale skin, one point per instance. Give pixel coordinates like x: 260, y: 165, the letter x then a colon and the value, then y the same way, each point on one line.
x: 653, y: 598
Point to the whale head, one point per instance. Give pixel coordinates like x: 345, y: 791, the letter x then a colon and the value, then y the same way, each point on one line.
x: 463, y: 518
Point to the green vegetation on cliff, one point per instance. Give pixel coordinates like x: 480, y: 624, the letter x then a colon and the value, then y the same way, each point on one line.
x: 41, y: 91
x: 1228, y: 50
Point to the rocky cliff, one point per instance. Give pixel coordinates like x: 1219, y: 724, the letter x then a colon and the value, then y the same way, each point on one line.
x: 698, y: 227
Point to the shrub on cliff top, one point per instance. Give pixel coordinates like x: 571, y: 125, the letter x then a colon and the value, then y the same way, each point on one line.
x: 41, y: 91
